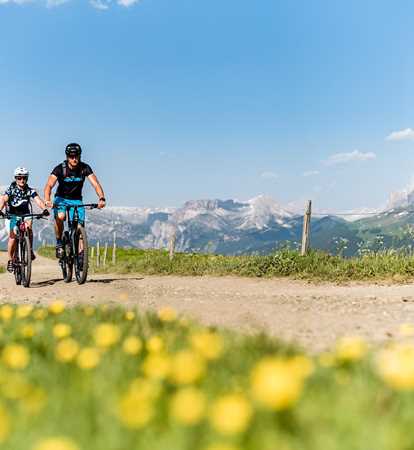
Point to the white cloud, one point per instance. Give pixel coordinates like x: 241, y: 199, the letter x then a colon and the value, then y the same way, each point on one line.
x: 344, y: 158
x: 127, y: 3
x: 311, y: 173
x: 18, y: 2
x: 269, y: 175
x: 100, y: 4
x: 402, y: 135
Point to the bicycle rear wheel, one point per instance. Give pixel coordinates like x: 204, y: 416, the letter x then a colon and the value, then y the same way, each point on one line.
x: 66, y: 263
x: 26, y: 261
x: 80, y: 246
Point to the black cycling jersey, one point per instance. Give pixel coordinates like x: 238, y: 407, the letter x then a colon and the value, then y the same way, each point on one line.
x: 70, y: 182
x: 19, y: 199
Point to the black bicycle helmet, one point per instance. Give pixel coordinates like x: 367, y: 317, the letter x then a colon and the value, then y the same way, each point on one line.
x: 73, y: 149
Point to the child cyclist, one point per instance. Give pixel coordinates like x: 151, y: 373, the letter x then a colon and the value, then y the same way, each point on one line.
x: 18, y: 198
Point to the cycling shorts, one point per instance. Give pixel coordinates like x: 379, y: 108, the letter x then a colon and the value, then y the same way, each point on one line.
x: 11, y: 224
x: 61, y: 204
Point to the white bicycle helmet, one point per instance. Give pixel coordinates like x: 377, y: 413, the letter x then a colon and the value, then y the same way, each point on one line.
x: 21, y: 172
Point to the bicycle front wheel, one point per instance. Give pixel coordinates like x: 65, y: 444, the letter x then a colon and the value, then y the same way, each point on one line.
x: 26, y: 261
x: 80, y: 245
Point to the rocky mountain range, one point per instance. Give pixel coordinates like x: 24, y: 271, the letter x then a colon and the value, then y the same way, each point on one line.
x: 232, y: 227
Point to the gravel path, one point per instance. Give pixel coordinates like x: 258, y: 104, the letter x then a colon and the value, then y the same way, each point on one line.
x: 314, y: 315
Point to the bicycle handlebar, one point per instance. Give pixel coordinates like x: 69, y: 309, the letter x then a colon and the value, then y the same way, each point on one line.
x: 22, y: 216
x: 86, y: 205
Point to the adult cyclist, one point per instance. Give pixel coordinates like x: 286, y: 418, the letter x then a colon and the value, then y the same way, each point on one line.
x: 70, y: 176
x: 17, y: 198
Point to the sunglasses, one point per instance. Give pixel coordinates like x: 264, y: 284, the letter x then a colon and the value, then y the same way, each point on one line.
x: 73, y: 156
x: 21, y: 178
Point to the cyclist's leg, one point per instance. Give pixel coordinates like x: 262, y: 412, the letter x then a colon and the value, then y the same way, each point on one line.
x: 81, y: 217
x: 11, y: 245
x: 60, y: 216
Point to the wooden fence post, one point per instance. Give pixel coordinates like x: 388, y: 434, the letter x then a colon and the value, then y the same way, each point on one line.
x: 114, y: 250
x: 171, y: 244
x: 306, y: 228
x: 97, y: 254
x: 105, y: 254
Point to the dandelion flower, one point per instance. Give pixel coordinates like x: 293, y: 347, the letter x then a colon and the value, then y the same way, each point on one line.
x: 132, y: 345
x: 40, y: 314
x: 208, y: 344
x: 27, y: 331
x: 6, y: 313
x: 16, y: 356
x: 106, y: 335
x: 156, y: 366
x: 188, y: 406
x: 231, y: 414
x: 62, y: 330
x: 276, y: 384
x: 23, y: 311
x: 88, y: 358
x: 396, y: 366
x: 351, y: 349
x: 56, y: 443
x: 187, y: 367
x: 155, y: 344
x: 130, y: 315
x: 135, y: 410
x: 57, y: 307
x: 66, y: 350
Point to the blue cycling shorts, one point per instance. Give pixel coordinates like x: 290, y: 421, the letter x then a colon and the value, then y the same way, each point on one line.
x: 11, y: 224
x: 61, y: 204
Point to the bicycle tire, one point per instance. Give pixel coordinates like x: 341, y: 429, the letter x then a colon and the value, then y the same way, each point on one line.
x: 26, y: 261
x: 81, y: 273
x: 67, y: 261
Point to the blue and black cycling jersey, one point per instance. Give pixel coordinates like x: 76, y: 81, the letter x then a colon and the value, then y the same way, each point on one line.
x: 70, y: 182
x: 19, y: 199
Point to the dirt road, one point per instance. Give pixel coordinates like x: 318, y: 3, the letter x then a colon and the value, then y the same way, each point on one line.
x: 312, y: 315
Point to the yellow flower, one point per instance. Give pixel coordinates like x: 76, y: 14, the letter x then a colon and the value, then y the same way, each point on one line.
x: 4, y: 424
x: 301, y: 365
x: 88, y: 358
x: 188, y: 406
x: 27, y: 331
x: 62, y: 330
x: 222, y: 447
x: 350, y: 349
x: 135, y: 408
x: 23, y: 311
x: 407, y: 330
x: 106, y: 335
x: 16, y: 356
x: 57, y: 307
x: 66, y: 350
x: 132, y: 345
x: 155, y: 344
x: 276, y: 383
x: 148, y: 389
x: 56, y: 443
x: 396, y: 366
x: 40, y: 314
x: 167, y: 314
x: 231, y: 414
x: 187, y: 367
x: 156, y: 366
x: 6, y: 313
x: 130, y: 315
x: 89, y: 311
x: 208, y: 344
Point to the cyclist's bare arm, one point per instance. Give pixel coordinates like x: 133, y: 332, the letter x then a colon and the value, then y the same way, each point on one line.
x: 48, y: 190
x: 3, y: 200
x: 98, y: 189
x: 39, y: 202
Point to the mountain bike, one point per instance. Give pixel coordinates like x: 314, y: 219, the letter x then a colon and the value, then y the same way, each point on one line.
x: 75, y: 246
x: 22, y: 260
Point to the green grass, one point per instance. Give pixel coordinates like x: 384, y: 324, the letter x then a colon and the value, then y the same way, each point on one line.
x: 342, y: 405
x: 317, y: 266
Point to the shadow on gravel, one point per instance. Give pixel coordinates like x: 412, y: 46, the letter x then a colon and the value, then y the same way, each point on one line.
x: 111, y: 280
x: 45, y: 283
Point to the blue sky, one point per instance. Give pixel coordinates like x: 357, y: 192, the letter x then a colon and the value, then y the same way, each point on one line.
x: 186, y: 99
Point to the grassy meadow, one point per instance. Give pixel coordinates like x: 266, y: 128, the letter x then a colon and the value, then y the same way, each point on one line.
x: 318, y: 266
x: 113, y: 379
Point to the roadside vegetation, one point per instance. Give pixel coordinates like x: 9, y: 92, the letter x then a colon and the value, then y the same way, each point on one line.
x: 95, y: 378
x: 317, y: 266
